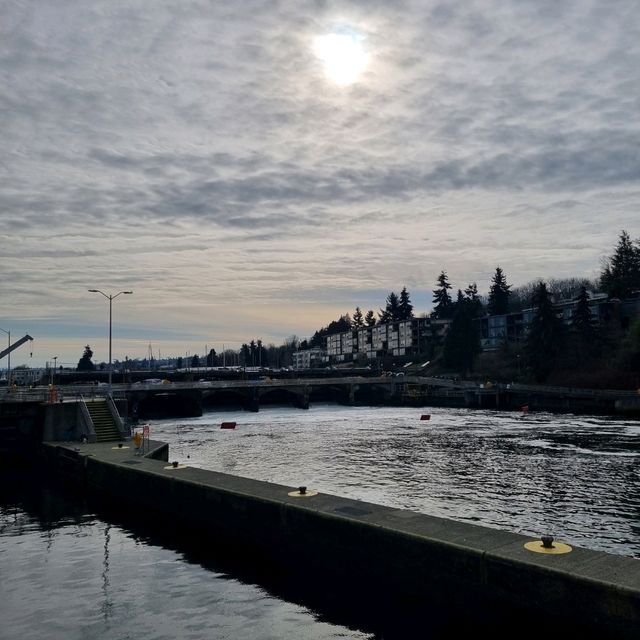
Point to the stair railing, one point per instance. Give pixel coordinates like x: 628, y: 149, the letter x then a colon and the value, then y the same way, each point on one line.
x: 86, y: 421
x: 115, y: 414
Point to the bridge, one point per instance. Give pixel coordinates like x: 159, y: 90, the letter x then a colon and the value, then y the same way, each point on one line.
x: 189, y: 398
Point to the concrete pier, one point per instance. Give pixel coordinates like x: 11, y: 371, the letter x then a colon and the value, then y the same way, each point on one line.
x: 410, y: 556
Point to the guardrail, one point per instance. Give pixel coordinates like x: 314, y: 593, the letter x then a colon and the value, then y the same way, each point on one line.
x: 41, y: 394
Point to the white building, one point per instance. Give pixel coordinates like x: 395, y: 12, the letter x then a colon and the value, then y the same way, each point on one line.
x: 307, y: 358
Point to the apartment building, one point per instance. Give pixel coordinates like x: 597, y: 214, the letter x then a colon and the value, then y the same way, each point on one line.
x: 403, y: 338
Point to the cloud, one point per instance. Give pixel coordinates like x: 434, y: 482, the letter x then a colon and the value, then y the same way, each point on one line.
x: 196, y: 153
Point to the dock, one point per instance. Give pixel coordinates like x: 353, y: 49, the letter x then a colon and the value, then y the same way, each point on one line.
x: 408, y: 557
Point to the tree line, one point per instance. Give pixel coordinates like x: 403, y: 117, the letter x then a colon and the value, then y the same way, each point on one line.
x: 548, y: 340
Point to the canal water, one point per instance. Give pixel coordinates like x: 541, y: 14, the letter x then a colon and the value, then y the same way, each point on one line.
x: 72, y: 570
x: 575, y: 477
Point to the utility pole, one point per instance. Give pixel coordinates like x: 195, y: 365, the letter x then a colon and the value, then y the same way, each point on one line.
x: 110, y: 298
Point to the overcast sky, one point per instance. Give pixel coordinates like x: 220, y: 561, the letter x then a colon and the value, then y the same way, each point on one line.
x: 207, y: 156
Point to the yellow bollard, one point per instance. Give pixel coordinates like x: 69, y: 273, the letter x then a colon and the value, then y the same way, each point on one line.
x: 137, y: 439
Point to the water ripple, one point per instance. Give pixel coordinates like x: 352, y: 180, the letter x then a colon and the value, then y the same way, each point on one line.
x: 576, y: 477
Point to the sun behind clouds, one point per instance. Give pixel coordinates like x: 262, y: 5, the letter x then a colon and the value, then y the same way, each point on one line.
x: 343, y: 56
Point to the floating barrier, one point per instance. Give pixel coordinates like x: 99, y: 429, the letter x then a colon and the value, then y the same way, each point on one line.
x: 425, y: 416
x: 228, y: 425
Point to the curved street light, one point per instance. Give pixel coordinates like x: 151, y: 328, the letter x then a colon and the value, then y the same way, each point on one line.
x: 110, y: 298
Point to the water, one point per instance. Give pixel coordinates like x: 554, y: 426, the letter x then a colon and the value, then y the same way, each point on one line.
x: 576, y: 477
x: 69, y: 573
x: 70, y: 570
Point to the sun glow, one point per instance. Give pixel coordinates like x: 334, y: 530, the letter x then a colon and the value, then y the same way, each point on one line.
x: 342, y: 55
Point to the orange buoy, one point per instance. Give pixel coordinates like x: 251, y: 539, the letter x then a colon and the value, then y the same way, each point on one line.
x: 425, y: 416
x: 228, y: 425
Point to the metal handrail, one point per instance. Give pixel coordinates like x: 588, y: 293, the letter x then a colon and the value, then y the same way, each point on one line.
x: 88, y: 420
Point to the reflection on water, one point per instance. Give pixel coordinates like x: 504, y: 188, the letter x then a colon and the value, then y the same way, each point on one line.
x: 67, y: 573
x: 576, y: 477
x: 72, y: 571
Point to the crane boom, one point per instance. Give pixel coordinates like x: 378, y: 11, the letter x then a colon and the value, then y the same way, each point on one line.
x: 14, y: 346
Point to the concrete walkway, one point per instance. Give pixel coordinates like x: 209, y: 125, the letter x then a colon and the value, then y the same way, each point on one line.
x: 404, y: 552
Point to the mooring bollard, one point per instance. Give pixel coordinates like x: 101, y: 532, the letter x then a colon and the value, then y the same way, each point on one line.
x: 547, y: 541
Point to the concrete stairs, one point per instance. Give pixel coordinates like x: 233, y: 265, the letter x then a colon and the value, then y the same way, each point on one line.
x: 103, y: 422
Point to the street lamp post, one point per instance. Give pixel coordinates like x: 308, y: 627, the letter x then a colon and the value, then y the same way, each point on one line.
x: 110, y: 298
x: 8, y: 358
x: 53, y: 371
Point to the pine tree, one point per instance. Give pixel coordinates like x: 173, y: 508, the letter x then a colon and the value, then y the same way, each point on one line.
x: 462, y: 342
x: 212, y: 358
x: 584, y: 338
x: 392, y: 310
x: 498, y: 294
x: 475, y: 304
x: 85, y: 364
x: 621, y: 272
x: 582, y: 323
x: 370, y: 318
x: 357, y: 321
x: 405, y: 306
x: 443, y: 306
x: 545, y: 337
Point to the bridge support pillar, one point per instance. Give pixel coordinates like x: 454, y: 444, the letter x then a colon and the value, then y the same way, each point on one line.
x: 302, y: 400
x: 254, y: 401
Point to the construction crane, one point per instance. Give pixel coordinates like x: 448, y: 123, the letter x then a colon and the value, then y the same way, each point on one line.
x: 10, y: 348
x: 14, y: 346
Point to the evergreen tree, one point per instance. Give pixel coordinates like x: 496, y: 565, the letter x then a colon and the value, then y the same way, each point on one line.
x: 357, y: 320
x: 339, y: 326
x: 443, y: 307
x: 545, y: 337
x: 475, y: 304
x: 621, y: 272
x: 212, y: 358
x: 370, y: 318
x: 584, y: 338
x: 245, y: 354
x: 462, y: 342
x: 391, y: 312
x: 498, y: 294
x: 85, y: 364
x: 405, y: 306
x: 195, y: 361
x: 582, y: 323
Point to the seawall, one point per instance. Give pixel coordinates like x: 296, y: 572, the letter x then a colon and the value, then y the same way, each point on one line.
x: 405, y: 556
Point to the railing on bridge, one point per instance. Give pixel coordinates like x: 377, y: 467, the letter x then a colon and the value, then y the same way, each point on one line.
x: 42, y: 394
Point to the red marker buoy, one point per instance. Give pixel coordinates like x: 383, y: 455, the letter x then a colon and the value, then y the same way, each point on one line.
x: 524, y: 408
x: 425, y: 416
x: 228, y: 425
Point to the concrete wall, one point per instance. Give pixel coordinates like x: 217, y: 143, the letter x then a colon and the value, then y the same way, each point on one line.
x: 404, y: 554
x: 62, y: 422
